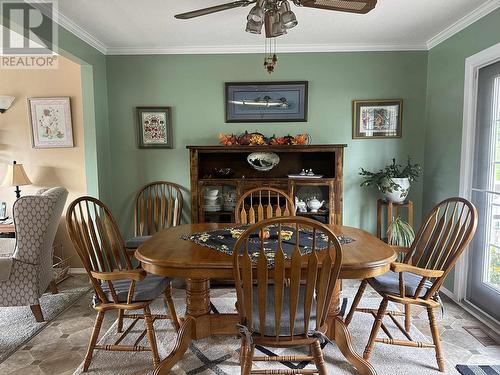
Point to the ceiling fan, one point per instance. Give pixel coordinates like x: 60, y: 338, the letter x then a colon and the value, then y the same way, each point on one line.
x: 276, y: 15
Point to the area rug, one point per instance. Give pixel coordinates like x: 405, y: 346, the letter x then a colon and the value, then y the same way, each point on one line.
x: 18, y: 325
x: 478, y: 370
x: 219, y: 354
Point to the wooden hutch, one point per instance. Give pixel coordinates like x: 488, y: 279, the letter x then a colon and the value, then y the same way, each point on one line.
x: 326, y: 160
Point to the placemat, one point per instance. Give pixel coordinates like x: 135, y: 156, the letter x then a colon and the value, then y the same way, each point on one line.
x: 224, y: 239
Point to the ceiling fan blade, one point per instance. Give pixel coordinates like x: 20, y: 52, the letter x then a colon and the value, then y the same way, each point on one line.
x: 350, y: 6
x: 214, y: 9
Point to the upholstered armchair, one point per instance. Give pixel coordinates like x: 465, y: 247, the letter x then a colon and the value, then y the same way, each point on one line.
x: 26, y: 261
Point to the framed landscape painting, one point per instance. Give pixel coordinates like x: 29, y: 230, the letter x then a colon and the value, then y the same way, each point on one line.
x: 51, y: 125
x: 155, y: 127
x: 377, y: 118
x: 266, y: 101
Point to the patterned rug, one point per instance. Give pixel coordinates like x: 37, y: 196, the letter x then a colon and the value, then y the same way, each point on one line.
x: 478, y: 370
x: 18, y: 325
x: 219, y: 354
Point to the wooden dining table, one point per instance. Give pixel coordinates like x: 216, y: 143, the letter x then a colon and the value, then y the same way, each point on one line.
x: 167, y: 254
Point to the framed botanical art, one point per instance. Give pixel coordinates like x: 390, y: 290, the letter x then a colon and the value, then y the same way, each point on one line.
x: 377, y: 118
x: 266, y: 101
x: 155, y: 127
x: 51, y: 125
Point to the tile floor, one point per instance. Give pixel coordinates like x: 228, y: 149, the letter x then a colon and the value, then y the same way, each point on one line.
x: 60, y: 347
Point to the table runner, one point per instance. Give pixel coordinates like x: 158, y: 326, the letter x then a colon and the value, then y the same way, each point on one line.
x: 224, y: 239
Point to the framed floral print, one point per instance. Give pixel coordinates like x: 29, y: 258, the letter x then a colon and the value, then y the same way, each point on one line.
x: 155, y: 127
x: 51, y: 125
x: 373, y: 119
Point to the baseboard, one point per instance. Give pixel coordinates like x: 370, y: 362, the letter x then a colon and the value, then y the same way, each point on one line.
x: 77, y: 271
x: 448, y: 293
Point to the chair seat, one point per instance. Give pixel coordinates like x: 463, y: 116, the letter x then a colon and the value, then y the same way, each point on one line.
x: 148, y: 289
x: 389, y: 283
x: 285, y: 313
x: 135, y: 242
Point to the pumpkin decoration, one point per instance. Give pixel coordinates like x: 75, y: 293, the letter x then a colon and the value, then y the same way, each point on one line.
x: 259, y: 139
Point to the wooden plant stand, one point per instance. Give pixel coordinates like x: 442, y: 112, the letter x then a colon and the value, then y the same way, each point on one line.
x: 381, y: 203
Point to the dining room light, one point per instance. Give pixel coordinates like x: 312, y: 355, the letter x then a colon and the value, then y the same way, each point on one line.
x: 288, y: 19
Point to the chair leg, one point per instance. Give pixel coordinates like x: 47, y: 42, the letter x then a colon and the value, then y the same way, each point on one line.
x: 436, y: 339
x: 119, y: 327
x: 37, y: 312
x: 355, y: 302
x: 148, y: 322
x: 171, y: 307
x: 93, y: 340
x: 319, y: 361
x: 407, y: 318
x: 246, y: 367
x: 53, y: 287
x: 376, y: 326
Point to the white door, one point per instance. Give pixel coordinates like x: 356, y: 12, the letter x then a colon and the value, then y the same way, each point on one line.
x: 483, y: 289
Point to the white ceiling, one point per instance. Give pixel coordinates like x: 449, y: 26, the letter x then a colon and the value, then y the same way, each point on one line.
x: 149, y: 26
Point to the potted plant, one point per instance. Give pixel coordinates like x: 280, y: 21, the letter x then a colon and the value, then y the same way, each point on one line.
x: 393, y: 180
x: 400, y: 234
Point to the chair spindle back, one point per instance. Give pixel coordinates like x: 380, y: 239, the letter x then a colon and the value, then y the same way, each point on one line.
x: 263, y: 203
x: 97, y: 239
x: 319, y: 269
x: 442, y: 238
x: 158, y: 206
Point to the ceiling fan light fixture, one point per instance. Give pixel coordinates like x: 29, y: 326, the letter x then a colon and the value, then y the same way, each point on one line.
x: 287, y: 17
x: 256, y: 14
x: 273, y: 25
x: 254, y: 27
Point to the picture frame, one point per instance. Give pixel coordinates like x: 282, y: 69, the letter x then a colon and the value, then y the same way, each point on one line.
x: 154, y: 126
x: 374, y: 119
x: 51, y: 123
x: 266, y: 101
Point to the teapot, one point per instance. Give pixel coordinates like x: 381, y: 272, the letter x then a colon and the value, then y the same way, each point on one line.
x: 300, y: 205
x: 314, y: 204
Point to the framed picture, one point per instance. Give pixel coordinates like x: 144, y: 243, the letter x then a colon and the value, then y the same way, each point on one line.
x: 266, y: 101
x: 51, y: 125
x: 377, y: 118
x: 155, y: 127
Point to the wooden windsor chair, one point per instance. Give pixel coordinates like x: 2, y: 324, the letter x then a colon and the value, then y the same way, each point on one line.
x: 263, y: 203
x: 440, y: 241
x: 290, y: 300
x: 158, y: 206
x: 117, y: 285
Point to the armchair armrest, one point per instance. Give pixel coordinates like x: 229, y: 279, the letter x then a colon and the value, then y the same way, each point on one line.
x: 403, y: 267
x: 136, y: 275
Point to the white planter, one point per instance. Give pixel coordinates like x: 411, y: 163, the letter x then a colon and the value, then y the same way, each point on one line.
x: 396, y: 194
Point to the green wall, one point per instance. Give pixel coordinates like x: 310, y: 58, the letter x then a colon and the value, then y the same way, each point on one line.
x: 445, y: 96
x: 193, y: 85
x: 95, y: 111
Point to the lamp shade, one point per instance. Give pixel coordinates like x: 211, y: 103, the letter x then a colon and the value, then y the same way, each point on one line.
x: 5, y: 102
x: 16, y: 176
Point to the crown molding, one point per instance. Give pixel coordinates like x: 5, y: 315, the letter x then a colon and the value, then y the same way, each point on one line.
x: 463, y: 22
x: 76, y: 30
x: 451, y: 30
x: 242, y: 49
x: 68, y: 24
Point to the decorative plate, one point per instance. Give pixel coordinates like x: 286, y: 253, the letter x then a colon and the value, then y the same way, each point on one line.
x: 263, y: 161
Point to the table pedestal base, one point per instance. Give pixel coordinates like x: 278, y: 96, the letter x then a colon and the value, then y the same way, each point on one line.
x: 199, y: 323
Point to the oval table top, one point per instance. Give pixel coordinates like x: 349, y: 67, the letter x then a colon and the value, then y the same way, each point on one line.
x: 168, y: 255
